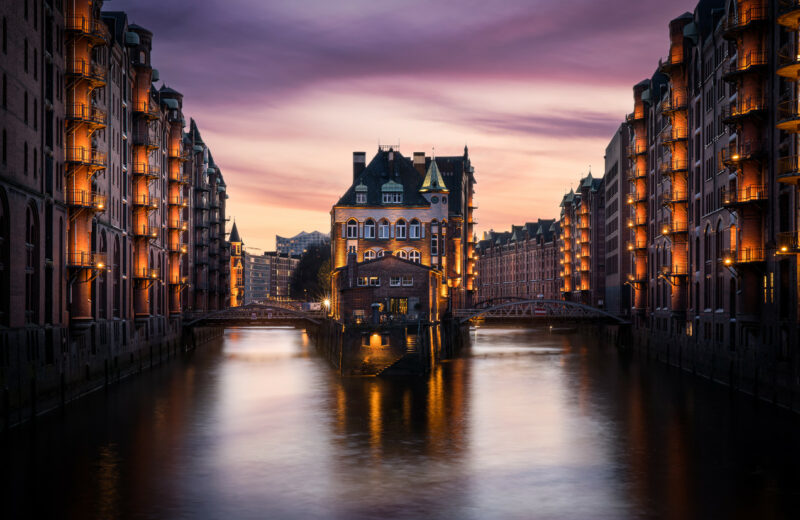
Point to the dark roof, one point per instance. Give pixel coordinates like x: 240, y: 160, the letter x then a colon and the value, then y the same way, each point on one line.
x: 453, y: 170
x: 194, y: 131
x: 167, y: 90
x: 116, y: 21
x: 234, y: 234
x: 380, y: 171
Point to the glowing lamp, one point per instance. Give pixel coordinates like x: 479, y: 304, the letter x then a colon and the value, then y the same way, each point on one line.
x: 784, y: 249
x: 101, y: 265
x: 728, y: 261
x: 327, y: 303
x: 735, y: 157
x: 664, y: 230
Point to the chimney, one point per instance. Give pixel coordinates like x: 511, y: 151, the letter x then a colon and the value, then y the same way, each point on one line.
x: 419, y: 162
x: 359, y: 163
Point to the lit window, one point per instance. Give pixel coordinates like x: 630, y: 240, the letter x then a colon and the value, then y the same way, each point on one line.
x: 374, y: 281
x: 369, y: 255
x: 402, y: 254
x: 380, y: 253
x: 352, y: 229
x: 362, y: 281
x: 415, y: 257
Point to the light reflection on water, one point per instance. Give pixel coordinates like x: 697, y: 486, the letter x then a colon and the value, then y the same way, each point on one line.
x: 525, y: 425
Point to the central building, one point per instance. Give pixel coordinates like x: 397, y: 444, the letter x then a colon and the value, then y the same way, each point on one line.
x: 418, y: 210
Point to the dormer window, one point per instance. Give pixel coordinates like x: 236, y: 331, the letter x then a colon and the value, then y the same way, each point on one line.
x: 361, y: 198
x: 392, y: 193
x: 392, y: 198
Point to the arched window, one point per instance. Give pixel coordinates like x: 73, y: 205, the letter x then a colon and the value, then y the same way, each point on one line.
x: 413, y: 229
x: 400, y: 229
x: 415, y: 257
x: 369, y: 254
x: 402, y: 253
x: 369, y: 228
x: 383, y: 229
x: 31, y: 265
x: 380, y: 253
x: 352, y: 228
x: 5, y: 280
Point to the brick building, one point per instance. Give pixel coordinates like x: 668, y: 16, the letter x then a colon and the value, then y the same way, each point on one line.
x: 420, y: 210
x: 617, y: 183
x: 521, y: 263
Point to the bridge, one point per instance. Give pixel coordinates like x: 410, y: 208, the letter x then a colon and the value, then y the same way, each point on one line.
x: 522, y: 309
x: 259, y: 314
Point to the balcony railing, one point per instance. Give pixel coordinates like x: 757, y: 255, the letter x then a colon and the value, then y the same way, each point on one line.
x: 145, y: 139
x: 675, y: 133
x: 637, y: 196
x: 178, y: 280
x: 179, y: 201
x: 636, y: 115
x: 789, y: 169
x: 636, y: 149
x: 636, y: 174
x: 635, y: 245
x: 674, y: 59
x: 678, y: 99
x: 674, y: 226
x: 637, y: 222
x: 146, y: 110
x: 789, y: 116
x: 146, y: 170
x: 180, y: 177
x: 88, y: 114
x: 89, y: 70
x: 145, y: 231
x: 146, y: 273
x: 86, y: 260
x: 675, y: 270
x: 85, y: 199
x: 788, y: 243
x: 86, y: 156
x: 179, y: 247
x: 737, y: 22
x: 789, y: 14
x: 93, y: 29
x: 745, y: 255
x: 178, y: 225
x: 674, y: 166
x: 746, y: 107
x: 146, y: 201
x: 752, y: 193
x: 674, y: 196
x: 745, y: 151
x: 751, y: 61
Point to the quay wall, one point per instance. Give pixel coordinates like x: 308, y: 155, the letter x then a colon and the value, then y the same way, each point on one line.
x: 45, y: 368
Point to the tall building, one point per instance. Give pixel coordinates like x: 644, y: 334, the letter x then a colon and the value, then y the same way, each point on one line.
x: 238, y: 295
x: 268, y: 276
x: 617, y: 182
x: 419, y: 210
x: 521, y: 263
x: 299, y: 244
x: 582, y: 248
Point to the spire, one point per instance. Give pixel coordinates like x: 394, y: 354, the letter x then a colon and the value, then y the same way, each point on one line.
x: 433, y: 179
x: 234, y: 234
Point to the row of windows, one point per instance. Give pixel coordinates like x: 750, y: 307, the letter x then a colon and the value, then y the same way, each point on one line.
x: 394, y: 281
x: 384, y: 229
x: 372, y: 254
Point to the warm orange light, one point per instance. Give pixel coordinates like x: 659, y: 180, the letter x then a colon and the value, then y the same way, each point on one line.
x: 101, y: 265
x: 784, y: 249
x: 728, y: 261
x: 664, y: 230
x: 735, y: 157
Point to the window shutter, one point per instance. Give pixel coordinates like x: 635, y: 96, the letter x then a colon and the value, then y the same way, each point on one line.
x: 344, y: 229
x: 391, y: 230
x: 360, y: 230
x: 422, y: 230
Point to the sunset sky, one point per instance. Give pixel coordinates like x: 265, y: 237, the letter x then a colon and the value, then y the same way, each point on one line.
x: 284, y: 92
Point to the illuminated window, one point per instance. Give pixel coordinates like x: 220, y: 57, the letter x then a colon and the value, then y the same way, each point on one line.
x: 415, y: 257
x: 352, y: 229
x: 374, y: 281
x: 369, y: 255
x: 362, y: 281
x: 402, y: 254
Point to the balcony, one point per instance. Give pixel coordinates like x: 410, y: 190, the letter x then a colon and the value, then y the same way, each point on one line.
x: 789, y: 169
x: 145, y: 231
x: 636, y: 174
x: 736, y: 154
x: 147, y: 202
x: 748, y: 18
x: 789, y: 116
x: 753, y: 61
x: 86, y: 260
x: 583, y: 223
x: 94, y: 30
x: 85, y: 199
x: 674, y: 134
x: 637, y: 245
x: 788, y: 243
x: 145, y: 139
x: 88, y: 70
x: 637, y: 149
x: 743, y: 108
x: 178, y: 247
x: 674, y: 227
x: 151, y: 273
x: 674, y: 166
x: 789, y: 14
x: 635, y: 116
x: 86, y: 114
x: 145, y: 110
x: 179, y: 200
x: 673, y: 60
x: 86, y: 156
x: 636, y: 197
x: 674, y: 196
x: 178, y: 280
x: 788, y: 62
x: 675, y: 270
x: 180, y: 178
x: 634, y: 222
x: 677, y: 100
x: 146, y: 170
x: 178, y: 225
x: 745, y: 255
x: 746, y: 195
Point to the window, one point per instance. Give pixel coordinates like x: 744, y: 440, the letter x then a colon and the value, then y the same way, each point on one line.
x: 402, y: 254
x: 369, y: 228
x: 400, y: 229
x: 361, y: 198
x: 362, y: 281
x: 395, y: 281
x: 414, y: 256
x: 408, y: 281
x: 352, y: 229
x: 383, y: 229
x: 380, y: 253
x: 434, y: 244
x: 392, y: 198
x: 374, y: 281
x: 369, y: 255
x: 413, y: 229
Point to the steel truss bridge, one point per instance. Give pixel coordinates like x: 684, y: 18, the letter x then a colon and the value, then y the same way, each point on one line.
x: 522, y: 309
x: 259, y: 314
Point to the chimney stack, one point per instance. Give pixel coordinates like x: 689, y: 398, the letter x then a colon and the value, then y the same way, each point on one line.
x: 359, y: 164
x: 419, y: 162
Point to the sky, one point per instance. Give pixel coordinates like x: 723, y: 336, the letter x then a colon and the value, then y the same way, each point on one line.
x: 285, y: 91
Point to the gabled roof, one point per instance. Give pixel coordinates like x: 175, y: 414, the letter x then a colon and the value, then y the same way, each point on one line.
x: 397, y: 173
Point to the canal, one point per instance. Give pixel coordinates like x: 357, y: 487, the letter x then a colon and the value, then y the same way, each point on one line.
x: 525, y: 425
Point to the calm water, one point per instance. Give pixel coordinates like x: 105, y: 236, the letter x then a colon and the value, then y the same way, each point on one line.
x: 525, y: 425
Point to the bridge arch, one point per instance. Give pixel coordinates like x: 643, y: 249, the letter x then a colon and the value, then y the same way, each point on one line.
x: 531, y: 308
